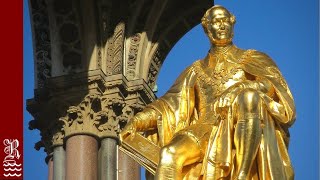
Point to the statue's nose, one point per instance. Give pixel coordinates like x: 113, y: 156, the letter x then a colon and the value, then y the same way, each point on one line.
x: 222, y: 26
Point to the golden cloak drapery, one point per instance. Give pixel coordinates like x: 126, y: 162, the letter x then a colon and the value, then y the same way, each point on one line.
x: 178, y: 111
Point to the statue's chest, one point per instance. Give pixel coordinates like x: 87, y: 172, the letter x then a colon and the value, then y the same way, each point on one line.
x: 214, y: 81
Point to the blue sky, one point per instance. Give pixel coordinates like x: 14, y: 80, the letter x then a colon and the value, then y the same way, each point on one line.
x: 288, y: 31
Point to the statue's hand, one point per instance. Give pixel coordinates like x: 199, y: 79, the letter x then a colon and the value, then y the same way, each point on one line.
x: 128, y: 130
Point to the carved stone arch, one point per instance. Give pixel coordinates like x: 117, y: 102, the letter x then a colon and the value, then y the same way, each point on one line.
x: 139, y: 25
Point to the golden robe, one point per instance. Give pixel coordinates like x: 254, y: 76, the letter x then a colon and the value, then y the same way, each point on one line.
x: 180, y: 108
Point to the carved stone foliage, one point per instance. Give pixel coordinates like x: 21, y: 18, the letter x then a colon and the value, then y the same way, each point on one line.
x: 51, y: 137
x: 131, y: 107
x: 41, y: 40
x: 82, y: 119
x: 46, y: 114
x: 67, y: 21
x: 108, y: 116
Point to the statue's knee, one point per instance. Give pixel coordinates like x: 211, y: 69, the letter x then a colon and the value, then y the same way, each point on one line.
x: 171, y: 155
x: 249, y: 100
x: 167, y: 153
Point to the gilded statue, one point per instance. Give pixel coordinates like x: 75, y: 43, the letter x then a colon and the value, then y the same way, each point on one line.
x: 226, y: 116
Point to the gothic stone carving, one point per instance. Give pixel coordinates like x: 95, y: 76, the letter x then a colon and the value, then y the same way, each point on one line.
x: 41, y: 39
x: 132, y: 56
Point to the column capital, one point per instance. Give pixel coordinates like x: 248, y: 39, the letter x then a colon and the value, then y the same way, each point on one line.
x: 86, y: 103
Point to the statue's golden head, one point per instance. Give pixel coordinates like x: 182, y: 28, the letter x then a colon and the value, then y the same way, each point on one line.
x: 218, y: 24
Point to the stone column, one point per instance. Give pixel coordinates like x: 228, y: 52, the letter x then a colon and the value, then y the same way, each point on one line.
x: 49, y: 160
x: 59, y: 163
x: 108, y: 159
x: 111, y: 106
x: 82, y: 158
x: 128, y: 168
x: 81, y: 138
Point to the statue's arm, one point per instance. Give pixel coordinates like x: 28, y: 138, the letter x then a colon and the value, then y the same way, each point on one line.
x: 152, y: 114
x: 142, y: 121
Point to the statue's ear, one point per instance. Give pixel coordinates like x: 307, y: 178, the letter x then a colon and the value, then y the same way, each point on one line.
x: 204, y: 23
x: 233, y: 19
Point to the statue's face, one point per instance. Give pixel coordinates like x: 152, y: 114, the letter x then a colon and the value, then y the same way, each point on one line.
x: 221, y: 28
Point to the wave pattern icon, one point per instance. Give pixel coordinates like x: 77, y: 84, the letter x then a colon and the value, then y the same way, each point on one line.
x: 13, y: 169
x: 11, y: 164
x: 12, y: 175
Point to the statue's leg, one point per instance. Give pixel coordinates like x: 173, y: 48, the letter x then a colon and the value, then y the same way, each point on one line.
x: 248, y: 131
x: 181, y: 151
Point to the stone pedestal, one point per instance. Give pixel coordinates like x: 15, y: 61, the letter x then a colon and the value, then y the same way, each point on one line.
x: 81, y: 158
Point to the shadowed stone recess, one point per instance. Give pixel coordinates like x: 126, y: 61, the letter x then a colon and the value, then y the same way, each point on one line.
x: 72, y: 59
x: 69, y: 33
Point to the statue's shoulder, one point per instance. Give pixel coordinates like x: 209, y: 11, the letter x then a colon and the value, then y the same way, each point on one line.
x: 257, y: 57
x: 197, y: 66
x: 191, y: 70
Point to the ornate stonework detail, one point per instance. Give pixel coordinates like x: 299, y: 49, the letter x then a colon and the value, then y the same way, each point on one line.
x: 46, y: 112
x: 108, y: 117
x: 109, y: 58
x: 82, y: 119
x: 127, y: 113
x: 50, y: 137
x: 118, y: 42
x: 132, y: 56
x: 99, y: 57
x: 41, y: 40
x: 133, y: 104
x: 157, y: 59
x: 45, y: 142
x: 152, y: 76
x: 58, y: 134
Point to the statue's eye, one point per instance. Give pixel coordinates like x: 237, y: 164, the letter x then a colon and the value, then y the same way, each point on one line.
x: 216, y: 22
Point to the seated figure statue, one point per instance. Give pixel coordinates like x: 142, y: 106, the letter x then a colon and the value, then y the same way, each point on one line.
x: 226, y: 116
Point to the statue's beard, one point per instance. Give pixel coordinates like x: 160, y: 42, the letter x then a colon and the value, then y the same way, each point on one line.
x: 220, y: 42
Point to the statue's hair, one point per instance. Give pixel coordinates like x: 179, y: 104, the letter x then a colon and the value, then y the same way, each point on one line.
x: 206, y: 19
